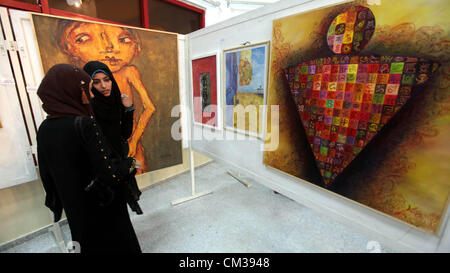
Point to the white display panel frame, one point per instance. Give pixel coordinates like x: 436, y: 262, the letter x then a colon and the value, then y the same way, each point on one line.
x: 16, y: 157
x: 246, y: 155
x: 29, y: 58
x: 184, y: 109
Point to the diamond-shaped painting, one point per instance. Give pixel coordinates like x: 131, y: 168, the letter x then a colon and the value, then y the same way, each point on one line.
x: 345, y: 100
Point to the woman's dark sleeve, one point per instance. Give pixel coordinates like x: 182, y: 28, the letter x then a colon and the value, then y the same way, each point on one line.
x: 106, y: 167
x: 52, y: 200
x: 127, y: 124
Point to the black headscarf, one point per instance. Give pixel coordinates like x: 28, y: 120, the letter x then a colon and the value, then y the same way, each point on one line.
x: 107, y: 110
x: 60, y: 91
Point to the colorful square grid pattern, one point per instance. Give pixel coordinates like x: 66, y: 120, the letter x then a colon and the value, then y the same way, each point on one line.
x: 351, y: 30
x: 344, y: 101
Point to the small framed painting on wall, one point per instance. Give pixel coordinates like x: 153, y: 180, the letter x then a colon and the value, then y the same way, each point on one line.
x: 245, y: 85
x: 205, y: 81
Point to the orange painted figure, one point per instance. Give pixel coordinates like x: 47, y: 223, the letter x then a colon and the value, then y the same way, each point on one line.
x: 116, y: 47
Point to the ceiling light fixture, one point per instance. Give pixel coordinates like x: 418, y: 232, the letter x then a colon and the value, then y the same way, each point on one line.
x: 76, y: 3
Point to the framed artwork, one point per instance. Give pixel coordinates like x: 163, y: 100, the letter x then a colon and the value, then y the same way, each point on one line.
x: 205, y: 81
x: 145, y: 66
x: 363, y: 98
x: 245, y: 85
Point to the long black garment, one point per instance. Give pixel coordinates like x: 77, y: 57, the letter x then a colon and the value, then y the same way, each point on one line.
x: 116, y: 124
x: 70, y: 157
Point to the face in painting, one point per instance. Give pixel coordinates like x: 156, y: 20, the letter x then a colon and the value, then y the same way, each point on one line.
x: 112, y: 45
x: 102, y: 83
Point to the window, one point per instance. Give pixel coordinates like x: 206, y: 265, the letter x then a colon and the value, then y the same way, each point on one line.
x: 167, y: 16
x: 29, y: 5
x: 124, y: 12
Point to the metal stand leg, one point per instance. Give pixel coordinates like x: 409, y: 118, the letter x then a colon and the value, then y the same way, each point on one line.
x: 55, y: 229
x: 238, y: 178
x: 194, y: 195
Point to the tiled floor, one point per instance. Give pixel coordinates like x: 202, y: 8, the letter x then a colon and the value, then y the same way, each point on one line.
x: 233, y: 218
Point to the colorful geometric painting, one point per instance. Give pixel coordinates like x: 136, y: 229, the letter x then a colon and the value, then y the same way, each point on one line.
x: 145, y: 66
x: 204, y: 77
x: 245, y: 88
x: 364, y: 105
x: 351, y: 30
x: 345, y: 101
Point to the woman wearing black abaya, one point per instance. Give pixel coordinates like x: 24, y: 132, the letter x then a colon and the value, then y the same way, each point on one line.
x: 114, y: 113
x: 78, y: 169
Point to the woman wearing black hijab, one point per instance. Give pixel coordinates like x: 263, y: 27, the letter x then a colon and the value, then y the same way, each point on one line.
x: 114, y: 114
x: 78, y: 169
